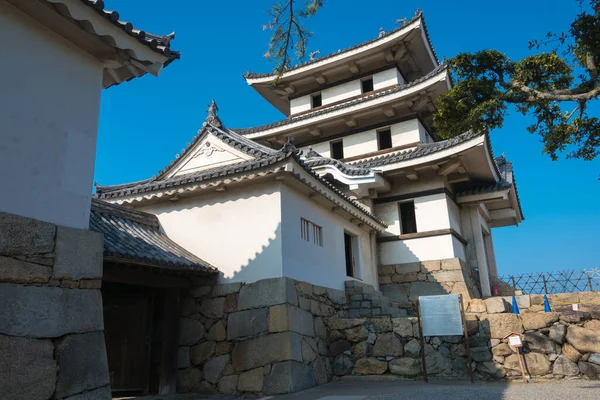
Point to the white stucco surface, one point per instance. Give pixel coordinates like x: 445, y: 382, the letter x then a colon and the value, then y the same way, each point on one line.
x: 387, y: 78
x: 49, y: 107
x: 300, y: 104
x: 253, y: 233
x: 403, y: 133
x: 341, y: 92
x: 325, y: 265
x: 421, y: 249
x: 239, y: 232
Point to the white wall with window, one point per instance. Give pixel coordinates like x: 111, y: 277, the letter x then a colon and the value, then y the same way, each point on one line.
x: 422, y: 226
x: 323, y: 265
x: 346, y: 90
x: 382, y: 138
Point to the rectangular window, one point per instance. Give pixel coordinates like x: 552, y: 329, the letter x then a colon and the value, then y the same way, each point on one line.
x: 337, y: 149
x: 384, y: 139
x: 367, y: 85
x: 316, y: 100
x: 408, y: 220
x: 350, y: 247
x: 311, y: 232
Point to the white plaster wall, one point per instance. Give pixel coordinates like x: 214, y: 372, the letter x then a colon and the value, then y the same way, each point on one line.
x: 454, y: 214
x: 424, y: 136
x: 49, y: 107
x: 431, y: 212
x: 387, y: 78
x: 300, y: 104
x: 237, y: 231
x: 325, y: 265
x: 422, y: 249
x: 406, y: 132
x: 341, y: 92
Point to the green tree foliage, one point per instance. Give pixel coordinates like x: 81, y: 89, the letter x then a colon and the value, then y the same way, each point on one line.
x: 555, y: 87
x: 289, y: 38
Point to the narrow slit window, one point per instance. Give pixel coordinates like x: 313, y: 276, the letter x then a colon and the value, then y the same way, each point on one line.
x: 384, y: 139
x: 337, y: 150
x: 367, y: 85
x: 408, y: 219
x: 311, y: 232
x: 350, y: 254
x: 316, y: 100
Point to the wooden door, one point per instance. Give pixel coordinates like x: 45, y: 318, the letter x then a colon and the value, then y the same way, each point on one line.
x: 127, y: 334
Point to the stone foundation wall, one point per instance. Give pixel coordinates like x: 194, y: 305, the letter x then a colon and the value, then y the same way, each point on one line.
x: 365, y: 301
x: 266, y: 337
x: 51, y: 320
x: 404, y: 283
x: 558, y: 344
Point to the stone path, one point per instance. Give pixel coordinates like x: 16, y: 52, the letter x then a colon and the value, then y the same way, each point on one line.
x: 377, y: 389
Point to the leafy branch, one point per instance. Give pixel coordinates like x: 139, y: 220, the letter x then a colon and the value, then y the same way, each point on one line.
x: 289, y: 38
x: 541, y: 85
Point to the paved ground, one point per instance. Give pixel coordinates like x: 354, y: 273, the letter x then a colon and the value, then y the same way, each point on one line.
x: 460, y: 390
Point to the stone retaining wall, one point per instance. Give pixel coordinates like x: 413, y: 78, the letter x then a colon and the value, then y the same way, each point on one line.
x: 51, y: 321
x: 265, y: 337
x: 557, y: 344
x: 404, y: 283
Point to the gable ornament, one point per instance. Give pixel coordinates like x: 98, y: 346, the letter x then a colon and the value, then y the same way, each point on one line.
x: 207, y: 150
x: 212, y: 118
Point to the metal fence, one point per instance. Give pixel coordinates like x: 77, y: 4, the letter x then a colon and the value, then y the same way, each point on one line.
x: 587, y: 280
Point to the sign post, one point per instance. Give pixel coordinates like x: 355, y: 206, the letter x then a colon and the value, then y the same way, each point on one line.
x: 442, y: 316
x: 515, y: 341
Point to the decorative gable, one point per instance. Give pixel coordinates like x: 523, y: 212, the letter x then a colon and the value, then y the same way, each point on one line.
x: 209, y: 152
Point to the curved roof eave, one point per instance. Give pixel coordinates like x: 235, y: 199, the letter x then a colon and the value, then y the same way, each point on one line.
x: 416, y: 22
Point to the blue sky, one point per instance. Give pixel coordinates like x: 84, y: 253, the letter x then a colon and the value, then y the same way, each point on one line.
x: 145, y: 122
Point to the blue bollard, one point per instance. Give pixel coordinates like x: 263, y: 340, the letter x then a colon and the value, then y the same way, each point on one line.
x: 547, y: 304
x: 515, y: 306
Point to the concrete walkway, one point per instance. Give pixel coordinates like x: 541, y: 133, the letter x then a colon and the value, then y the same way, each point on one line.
x: 377, y: 389
x: 460, y: 390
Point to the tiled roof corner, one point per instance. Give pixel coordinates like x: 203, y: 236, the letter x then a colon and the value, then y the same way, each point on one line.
x: 135, y: 236
x: 347, y: 169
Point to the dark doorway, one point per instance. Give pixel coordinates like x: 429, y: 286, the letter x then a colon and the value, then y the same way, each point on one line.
x: 349, y: 252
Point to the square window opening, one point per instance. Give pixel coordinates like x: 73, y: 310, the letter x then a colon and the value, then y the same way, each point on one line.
x: 367, y: 85
x: 384, y: 139
x: 351, y: 254
x: 337, y: 150
x: 311, y: 232
x: 408, y: 219
x: 316, y: 100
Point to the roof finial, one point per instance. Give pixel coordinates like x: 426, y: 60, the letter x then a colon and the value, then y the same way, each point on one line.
x: 418, y: 12
x: 289, y: 146
x: 313, y: 55
x: 212, y: 118
x: 381, y: 32
x: 401, y: 21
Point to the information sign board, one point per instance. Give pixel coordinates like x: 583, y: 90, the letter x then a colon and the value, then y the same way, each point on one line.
x: 441, y: 315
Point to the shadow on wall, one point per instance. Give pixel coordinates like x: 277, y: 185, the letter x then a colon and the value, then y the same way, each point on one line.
x: 404, y: 283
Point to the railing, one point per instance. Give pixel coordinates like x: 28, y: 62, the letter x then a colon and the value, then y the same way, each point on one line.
x: 587, y: 280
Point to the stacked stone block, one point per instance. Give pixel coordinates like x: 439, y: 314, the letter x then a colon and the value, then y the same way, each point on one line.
x: 266, y: 337
x: 365, y: 301
x: 51, y: 321
x: 404, y: 283
x: 557, y: 345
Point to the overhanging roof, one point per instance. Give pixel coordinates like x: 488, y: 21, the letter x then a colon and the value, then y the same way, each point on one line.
x: 409, y: 40
x: 135, y: 236
x: 126, y: 51
x: 439, y: 74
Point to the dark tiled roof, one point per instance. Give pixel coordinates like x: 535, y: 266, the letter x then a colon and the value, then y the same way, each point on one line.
x: 317, y: 160
x: 398, y: 88
x: 418, y: 14
x: 419, y: 151
x: 136, y: 236
x: 160, y: 44
x: 507, y: 181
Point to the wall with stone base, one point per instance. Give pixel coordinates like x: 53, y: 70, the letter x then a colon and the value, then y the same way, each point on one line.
x: 557, y: 345
x: 51, y: 321
x: 266, y: 337
x: 404, y: 283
